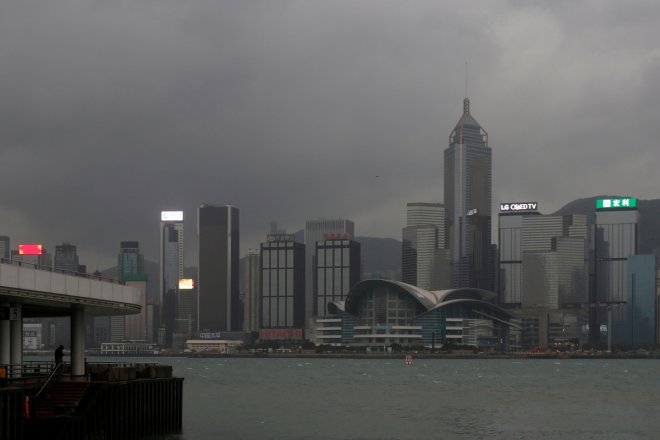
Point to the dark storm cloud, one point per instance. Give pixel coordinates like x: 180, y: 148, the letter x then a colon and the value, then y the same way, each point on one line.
x: 113, y: 111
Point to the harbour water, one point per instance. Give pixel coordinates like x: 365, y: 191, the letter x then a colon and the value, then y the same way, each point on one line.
x: 342, y: 399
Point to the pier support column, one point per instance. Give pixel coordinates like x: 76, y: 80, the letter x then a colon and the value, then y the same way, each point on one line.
x: 77, y: 340
x: 16, y: 338
x: 4, y: 339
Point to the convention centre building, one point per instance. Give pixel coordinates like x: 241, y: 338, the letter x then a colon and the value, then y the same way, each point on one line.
x: 383, y: 312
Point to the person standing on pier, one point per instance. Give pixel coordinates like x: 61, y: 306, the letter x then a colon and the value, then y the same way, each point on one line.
x: 59, y: 354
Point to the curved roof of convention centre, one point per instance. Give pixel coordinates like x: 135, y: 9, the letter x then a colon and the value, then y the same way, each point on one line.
x: 428, y: 299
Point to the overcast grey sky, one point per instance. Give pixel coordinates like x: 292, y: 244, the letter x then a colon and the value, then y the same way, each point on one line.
x: 111, y: 111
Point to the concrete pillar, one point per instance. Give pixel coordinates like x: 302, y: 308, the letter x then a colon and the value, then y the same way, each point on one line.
x: 5, y: 339
x: 16, y: 338
x: 77, y: 340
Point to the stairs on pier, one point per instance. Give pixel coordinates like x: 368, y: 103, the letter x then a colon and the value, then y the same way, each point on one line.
x: 62, y: 399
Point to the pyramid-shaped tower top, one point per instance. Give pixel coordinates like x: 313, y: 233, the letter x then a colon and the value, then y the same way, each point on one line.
x: 468, y: 130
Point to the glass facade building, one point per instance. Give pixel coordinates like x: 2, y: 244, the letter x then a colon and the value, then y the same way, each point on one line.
x: 425, y: 213
x: 219, y: 307
x: 636, y: 326
x: 424, y: 259
x: 171, y: 271
x: 554, y: 261
x: 66, y: 258
x: 130, y: 260
x: 251, y: 292
x: 615, y: 241
x: 315, y: 231
x: 468, y: 188
x: 510, y: 258
x: 544, y: 276
x: 282, y: 282
x: 337, y: 269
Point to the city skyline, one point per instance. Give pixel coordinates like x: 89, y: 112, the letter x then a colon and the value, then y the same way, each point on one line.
x: 287, y: 98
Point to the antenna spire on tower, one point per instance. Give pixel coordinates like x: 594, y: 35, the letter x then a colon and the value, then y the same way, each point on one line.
x: 466, y: 79
x: 466, y: 100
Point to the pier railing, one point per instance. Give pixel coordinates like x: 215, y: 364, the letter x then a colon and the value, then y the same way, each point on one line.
x: 29, y: 372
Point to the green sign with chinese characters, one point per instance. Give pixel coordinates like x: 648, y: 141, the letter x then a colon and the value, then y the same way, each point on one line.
x: 618, y: 203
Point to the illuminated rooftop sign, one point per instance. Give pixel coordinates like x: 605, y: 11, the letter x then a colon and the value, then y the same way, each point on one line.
x: 171, y: 216
x: 30, y: 249
x: 519, y: 206
x: 186, y: 284
x: 617, y: 203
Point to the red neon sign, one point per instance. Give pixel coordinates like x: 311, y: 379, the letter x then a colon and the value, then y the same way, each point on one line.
x: 30, y: 249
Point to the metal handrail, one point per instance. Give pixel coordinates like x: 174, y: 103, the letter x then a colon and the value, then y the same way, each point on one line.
x: 50, y: 378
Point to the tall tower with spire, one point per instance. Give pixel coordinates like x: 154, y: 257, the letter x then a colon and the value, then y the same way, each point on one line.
x: 468, y: 189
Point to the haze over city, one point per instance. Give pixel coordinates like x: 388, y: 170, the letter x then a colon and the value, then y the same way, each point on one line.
x: 112, y: 112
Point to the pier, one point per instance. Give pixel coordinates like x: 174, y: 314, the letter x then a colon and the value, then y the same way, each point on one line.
x: 113, y: 401
x: 76, y: 400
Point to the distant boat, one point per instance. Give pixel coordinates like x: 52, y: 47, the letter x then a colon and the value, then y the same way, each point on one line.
x: 408, y: 359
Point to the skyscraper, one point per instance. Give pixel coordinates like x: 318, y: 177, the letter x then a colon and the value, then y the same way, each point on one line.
x: 337, y: 269
x: 171, y: 269
x: 314, y: 230
x: 130, y: 261
x: 135, y: 326
x: 615, y: 240
x: 510, y: 251
x: 218, y: 245
x: 66, y: 258
x: 545, y: 272
x: 468, y: 175
x: 283, y: 282
x: 554, y: 255
x: 251, y: 291
x: 424, y: 257
x: 638, y: 324
x: 130, y: 267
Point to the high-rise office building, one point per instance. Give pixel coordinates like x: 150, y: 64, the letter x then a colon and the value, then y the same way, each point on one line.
x: 615, y: 239
x: 66, y: 258
x: 282, y: 282
x: 425, y: 261
x: 5, y: 249
x: 553, y: 277
x: 251, y: 291
x: 130, y: 267
x: 171, y: 271
x: 636, y: 326
x: 337, y: 269
x: 314, y: 230
x: 554, y: 261
x: 468, y: 175
x: 186, y: 317
x: 130, y: 261
x: 218, y: 246
x: 510, y: 251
